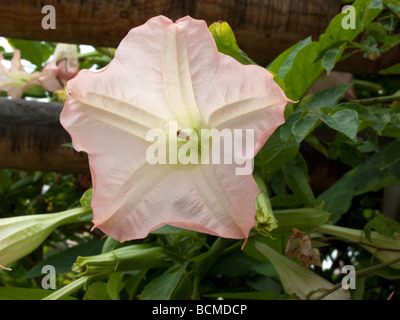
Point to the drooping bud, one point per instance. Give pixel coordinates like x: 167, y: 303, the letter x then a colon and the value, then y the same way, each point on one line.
x: 265, y: 219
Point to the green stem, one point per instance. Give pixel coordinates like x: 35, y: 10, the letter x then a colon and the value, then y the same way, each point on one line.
x: 88, y: 54
x: 367, y: 85
x: 105, y: 51
x: 206, y: 260
x: 233, y: 247
x: 360, y: 273
x: 196, y: 284
x: 68, y: 289
x: 385, y: 99
x: 75, y: 215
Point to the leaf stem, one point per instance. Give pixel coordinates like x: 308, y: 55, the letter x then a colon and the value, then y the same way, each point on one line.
x: 384, y: 99
x: 360, y: 273
x: 67, y: 290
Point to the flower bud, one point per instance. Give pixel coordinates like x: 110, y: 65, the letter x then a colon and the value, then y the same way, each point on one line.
x: 134, y: 257
x: 265, y: 220
x: 63, y: 67
x: 21, y: 235
x: 15, y: 79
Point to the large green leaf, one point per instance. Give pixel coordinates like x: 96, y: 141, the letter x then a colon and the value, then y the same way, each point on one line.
x: 35, y: 52
x: 64, y: 260
x: 307, y: 64
x: 327, y: 98
x: 282, y: 64
x: 304, y: 126
x: 296, y: 177
x: 364, y: 178
x: 391, y: 155
x: 275, y: 153
x: 344, y: 121
x: 163, y: 287
x: 115, y: 285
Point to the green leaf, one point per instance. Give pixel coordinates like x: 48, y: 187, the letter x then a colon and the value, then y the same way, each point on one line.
x: 111, y: 244
x: 133, y: 282
x: 297, y: 179
x: 64, y: 260
x: 16, y: 293
x: 86, y: 198
x: 369, y: 45
x: 327, y: 98
x: 375, y: 4
x: 382, y: 225
x: 226, y: 42
x: 97, y: 291
x: 163, y: 287
x: 304, y: 126
x: 391, y: 155
x: 344, y: 121
x: 285, y: 130
x: 337, y: 199
x: 395, y: 69
x: 275, y: 154
x: 234, y: 264
x: 358, y: 293
x: 260, y: 295
x: 388, y: 273
x: 5, y: 181
x: 329, y: 59
x: 370, y: 177
x: 314, y: 142
x: 35, y: 91
x: 115, y: 285
x: 362, y: 179
x: 282, y: 64
x: 30, y: 50
x: 265, y: 269
x: 307, y: 66
x: 168, y: 230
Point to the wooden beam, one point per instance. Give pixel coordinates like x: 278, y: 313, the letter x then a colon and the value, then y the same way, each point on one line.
x: 264, y: 28
x: 32, y: 138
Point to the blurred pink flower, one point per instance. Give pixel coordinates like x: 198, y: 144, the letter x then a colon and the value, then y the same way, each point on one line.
x: 164, y: 71
x: 15, y: 79
x: 63, y: 67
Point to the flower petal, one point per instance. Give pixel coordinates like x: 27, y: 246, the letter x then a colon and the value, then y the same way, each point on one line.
x: 198, y: 201
x: 246, y: 96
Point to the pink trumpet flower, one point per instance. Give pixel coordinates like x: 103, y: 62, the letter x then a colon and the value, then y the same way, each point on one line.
x: 63, y: 67
x: 15, y: 79
x: 167, y: 72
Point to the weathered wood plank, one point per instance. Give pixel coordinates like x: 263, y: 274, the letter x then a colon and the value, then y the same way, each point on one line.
x: 264, y: 28
x: 32, y: 138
